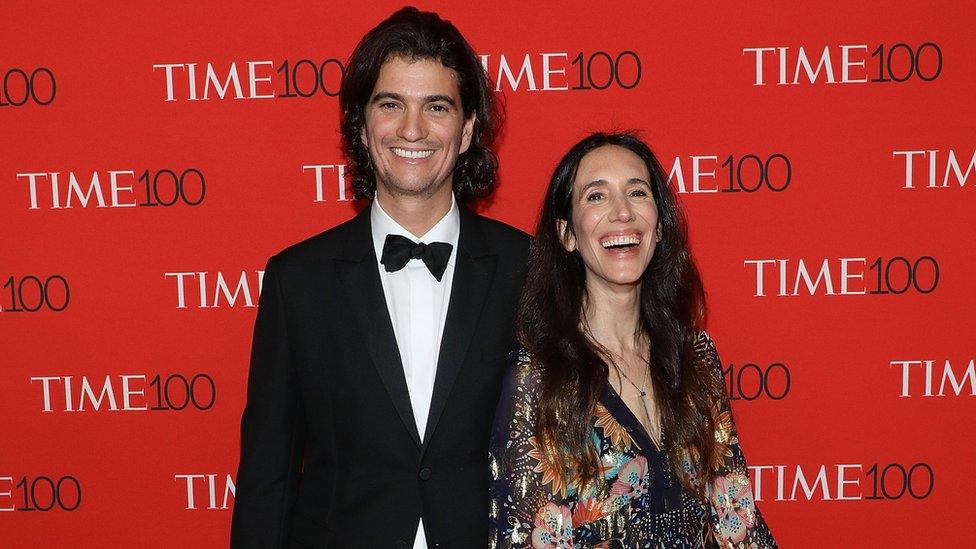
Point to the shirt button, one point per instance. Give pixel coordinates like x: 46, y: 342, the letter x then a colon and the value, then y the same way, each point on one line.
x: 425, y: 473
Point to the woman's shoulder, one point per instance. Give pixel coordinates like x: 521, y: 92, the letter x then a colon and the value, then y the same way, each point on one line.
x: 523, y: 373
x: 520, y: 391
x: 704, y: 344
x: 707, y: 354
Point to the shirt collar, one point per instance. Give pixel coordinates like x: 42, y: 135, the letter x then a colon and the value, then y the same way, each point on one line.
x: 448, y: 229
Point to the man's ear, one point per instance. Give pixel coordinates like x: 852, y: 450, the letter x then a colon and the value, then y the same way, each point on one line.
x: 466, y: 132
x: 566, y: 235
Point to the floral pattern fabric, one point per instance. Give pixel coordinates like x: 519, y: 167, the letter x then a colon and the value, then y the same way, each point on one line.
x: 641, y: 503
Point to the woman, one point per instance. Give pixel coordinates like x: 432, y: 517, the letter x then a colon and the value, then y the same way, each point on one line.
x: 614, y: 429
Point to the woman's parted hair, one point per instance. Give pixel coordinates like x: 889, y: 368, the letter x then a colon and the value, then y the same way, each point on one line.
x: 417, y: 35
x: 574, y: 372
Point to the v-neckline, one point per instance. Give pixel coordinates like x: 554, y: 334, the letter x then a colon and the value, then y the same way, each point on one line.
x: 622, y: 413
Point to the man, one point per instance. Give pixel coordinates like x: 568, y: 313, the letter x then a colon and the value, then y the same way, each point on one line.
x: 376, y: 362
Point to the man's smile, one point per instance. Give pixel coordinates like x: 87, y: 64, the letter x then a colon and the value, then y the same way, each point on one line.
x: 412, y: 153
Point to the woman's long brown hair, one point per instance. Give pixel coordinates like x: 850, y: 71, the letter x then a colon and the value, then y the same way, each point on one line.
x: 671, y: 313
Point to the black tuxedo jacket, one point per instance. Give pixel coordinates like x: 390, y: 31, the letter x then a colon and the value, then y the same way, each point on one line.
x: 330, y: 452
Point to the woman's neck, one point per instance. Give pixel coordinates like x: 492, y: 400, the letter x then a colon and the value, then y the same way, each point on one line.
x: 612, y: 317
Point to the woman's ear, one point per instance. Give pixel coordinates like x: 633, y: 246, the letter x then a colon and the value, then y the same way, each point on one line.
x: 566, y: 235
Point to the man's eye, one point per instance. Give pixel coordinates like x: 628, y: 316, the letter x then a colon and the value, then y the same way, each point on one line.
x: 388, y: 106
x: 594, y: 197
x: 438, y: 108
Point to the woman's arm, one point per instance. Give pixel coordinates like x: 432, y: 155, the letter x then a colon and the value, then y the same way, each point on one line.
x: 528, y: 505
x: 735, y: 517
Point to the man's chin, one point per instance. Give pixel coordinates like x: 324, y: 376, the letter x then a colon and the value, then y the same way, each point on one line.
x: 399, y: 188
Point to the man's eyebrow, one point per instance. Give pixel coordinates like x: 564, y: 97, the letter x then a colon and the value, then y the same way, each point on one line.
x: 445, y: 98
x: 386, y: 95
x: 428, y: 99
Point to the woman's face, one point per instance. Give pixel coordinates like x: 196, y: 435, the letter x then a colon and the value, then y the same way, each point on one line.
x: 614, y: 222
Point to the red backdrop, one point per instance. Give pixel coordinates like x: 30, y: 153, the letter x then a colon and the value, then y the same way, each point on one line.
x: 824, y: 153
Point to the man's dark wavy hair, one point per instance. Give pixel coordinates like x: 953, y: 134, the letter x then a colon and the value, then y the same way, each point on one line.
x: 417, y: 35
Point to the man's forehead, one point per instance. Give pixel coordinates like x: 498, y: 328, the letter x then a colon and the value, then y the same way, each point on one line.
x: 413, y: 76
x: 409, y: 59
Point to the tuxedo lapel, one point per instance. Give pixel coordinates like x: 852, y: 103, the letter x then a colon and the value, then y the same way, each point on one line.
x: 357, y: 269
x: 473, y: 272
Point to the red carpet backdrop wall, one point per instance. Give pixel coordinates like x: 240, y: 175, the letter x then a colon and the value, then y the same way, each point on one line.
x: 154, y: 155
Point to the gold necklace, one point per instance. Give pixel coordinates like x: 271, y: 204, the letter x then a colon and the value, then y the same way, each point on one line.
x: 640, y: 390
x: 609, y: 354
x: 656, y: 438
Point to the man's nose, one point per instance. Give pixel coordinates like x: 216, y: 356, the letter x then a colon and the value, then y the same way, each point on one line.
x: 411, y: 125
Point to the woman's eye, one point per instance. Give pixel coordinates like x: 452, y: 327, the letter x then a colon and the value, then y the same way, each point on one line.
x: 594, y: 197
x: 388, y: 106
x: 638, y: 193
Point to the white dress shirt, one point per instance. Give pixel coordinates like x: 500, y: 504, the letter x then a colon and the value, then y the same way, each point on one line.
x: 417, y: 304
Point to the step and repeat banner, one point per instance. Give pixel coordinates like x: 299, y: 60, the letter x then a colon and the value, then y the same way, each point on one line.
x: 154, y: 155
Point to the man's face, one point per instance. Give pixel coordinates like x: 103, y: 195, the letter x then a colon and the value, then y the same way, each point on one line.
x: 415, y: 128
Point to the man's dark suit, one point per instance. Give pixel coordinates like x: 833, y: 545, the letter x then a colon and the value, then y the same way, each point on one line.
x: 331, y: 455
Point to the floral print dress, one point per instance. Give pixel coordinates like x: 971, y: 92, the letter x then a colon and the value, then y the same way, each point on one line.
x: 640, y: 504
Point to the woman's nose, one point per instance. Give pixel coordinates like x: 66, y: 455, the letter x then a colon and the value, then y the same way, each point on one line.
x: 621, y: 209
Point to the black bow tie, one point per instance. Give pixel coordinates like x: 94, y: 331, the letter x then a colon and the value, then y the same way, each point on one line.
x: 398, y: 250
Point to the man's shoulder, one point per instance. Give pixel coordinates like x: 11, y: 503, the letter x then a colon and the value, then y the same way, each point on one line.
x: 503, y: 234
x: 323, y: 246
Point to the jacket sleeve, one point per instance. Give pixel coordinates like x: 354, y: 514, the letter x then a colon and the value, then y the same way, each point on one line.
x: 528, y: 503
x: 735, y: 518
x: 272, y: 428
